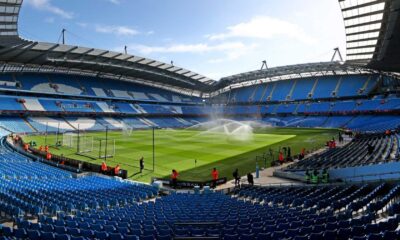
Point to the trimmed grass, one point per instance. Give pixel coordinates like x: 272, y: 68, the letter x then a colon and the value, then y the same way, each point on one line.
x: 178, y: 149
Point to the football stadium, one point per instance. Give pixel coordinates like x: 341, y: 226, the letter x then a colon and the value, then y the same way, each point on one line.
x: 103, y: 144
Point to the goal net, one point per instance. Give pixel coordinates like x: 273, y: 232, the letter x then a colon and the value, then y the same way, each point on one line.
x: 85, y: 144
x: 126, y: 130
x: 69, y: 140
x: 106, y: 148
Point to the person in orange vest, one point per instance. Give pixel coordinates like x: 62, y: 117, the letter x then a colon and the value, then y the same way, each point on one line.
x: 48, y: 156
x: 214, y: 174
x: 26, y: 147
x: 104, y: 167
x: 116, y: 170
x: 174, y: 178
x: 281, y: 157
x: 46, y: 148
x: 41, y: 148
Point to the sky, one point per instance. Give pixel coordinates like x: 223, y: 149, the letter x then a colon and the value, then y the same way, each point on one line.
x: 216, y: 38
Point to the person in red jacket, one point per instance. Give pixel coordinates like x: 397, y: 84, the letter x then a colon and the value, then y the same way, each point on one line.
x: 48, y: 156
x: 174, y: 178
x: 104, y: 167
x: 214, y: 174
x: 281, y: 158
x: 116, y: 170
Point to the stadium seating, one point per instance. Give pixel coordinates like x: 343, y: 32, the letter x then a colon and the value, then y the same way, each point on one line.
x: 34, y: 188
x: 91, y: 86
x: 353, y: 154
x: 250, y: 213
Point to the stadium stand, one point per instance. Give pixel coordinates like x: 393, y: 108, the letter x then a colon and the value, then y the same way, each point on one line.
x: 355, y: 153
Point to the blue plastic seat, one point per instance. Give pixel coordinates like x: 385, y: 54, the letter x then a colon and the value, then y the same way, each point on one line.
x: 84, y: 225
x: 101, y: 235
x: 164, y: 237
x: 147, y: 237
x: 20, y: 233
x: 71, y: 224
x: 47, y: 228
x: 33, y: 234
x: 87, y: 233
x: 360, y: 238
x: 47, y: 235
x: 36, y: 226
x: 358, y: 231
x: 109, y: 228
x: 7, y: 231
x: 73, y: 231
x: 306, y: 230
x: 136, y: 232
x: 62, y: 237
x: 316, y: 236
x: 301, y: 238
x: 344, y: 224
x: 278, y: 234
x: 388, y: 235
x: 296, y: 224
x: 131, y: 237
x: 372, y: 228
x: 60, y: 223
x: 344, y: 233
x: 231, y: 237
x: 195, y: 232
x: 23, y: 224
x: 96, y: 227
x: 115, y: 236
x: 77, y: 238
x: 242, y: 231
x: 331, y: 226
x: 60, y: 229
x: 375, y: 236
x: 246, y: 236
x: 318, y: 228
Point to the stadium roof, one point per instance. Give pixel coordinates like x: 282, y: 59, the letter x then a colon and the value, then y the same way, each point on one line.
x: 9, y: 12
x: 293, y: 71
x: 372, y: 33
x: 14, y: 50
x: 372, y: 43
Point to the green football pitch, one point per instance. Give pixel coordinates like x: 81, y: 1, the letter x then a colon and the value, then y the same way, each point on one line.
x: 193, y: 153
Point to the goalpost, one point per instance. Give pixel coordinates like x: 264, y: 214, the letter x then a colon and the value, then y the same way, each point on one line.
x: 126, y: 130
x: 85, y: 144
x: 106, y: 148
x: 88, y: 146
x: 69, y: 139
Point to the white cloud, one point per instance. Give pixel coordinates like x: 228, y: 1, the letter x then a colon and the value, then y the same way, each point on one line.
x: 264, y: 27
x: 114, y: 1
x: 189, y: 48
x: 226, y: 51
x: 82, y: 24
x: 46, y: 5
x: 235, y: 53
x: 118, y: 30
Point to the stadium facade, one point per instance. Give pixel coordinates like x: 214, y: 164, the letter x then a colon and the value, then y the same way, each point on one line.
x: 48, y: 87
